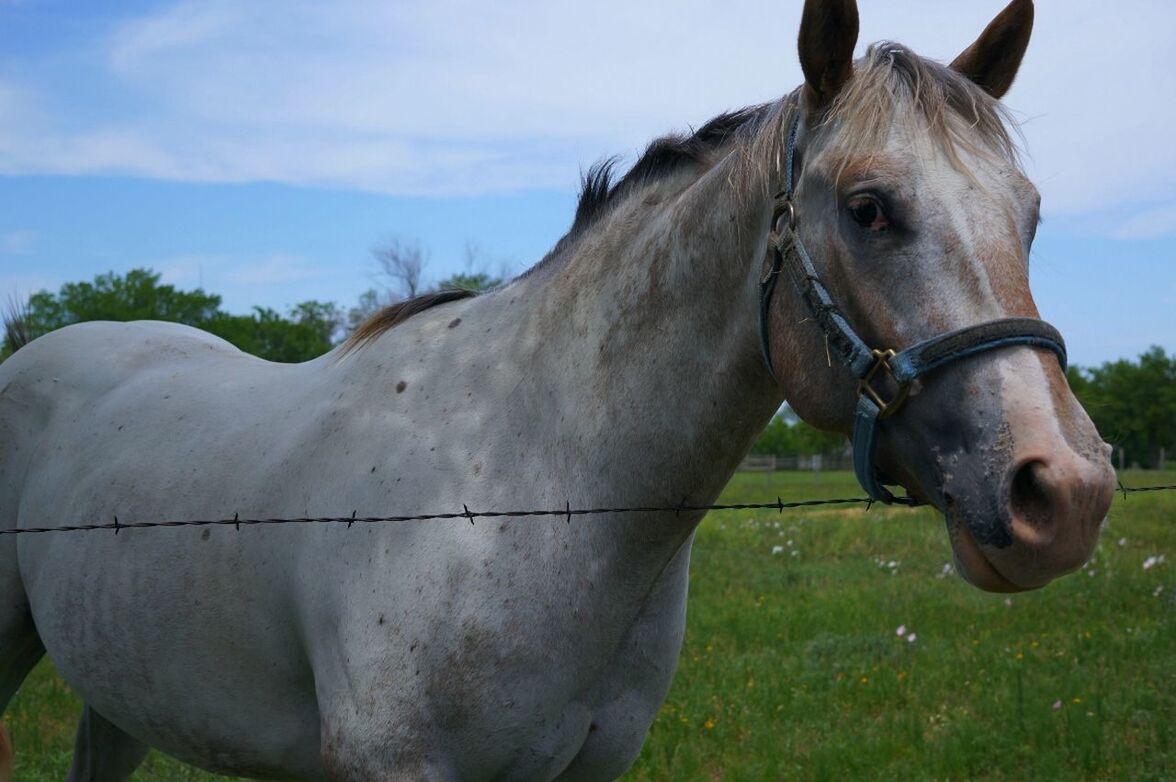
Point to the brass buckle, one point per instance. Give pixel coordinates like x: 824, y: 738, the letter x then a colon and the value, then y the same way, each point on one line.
x: 865, y: 387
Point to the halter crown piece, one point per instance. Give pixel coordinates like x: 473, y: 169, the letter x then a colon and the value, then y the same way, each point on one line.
x: 871, y: 365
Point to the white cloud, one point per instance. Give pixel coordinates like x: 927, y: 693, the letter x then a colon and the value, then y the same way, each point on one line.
x: 183, y: 26
x: 1150, y: 224
x: 19, y: 286
x: 275, y: 269
x: 423, y: 97
x: 186, y: 270
x: 19, y: 242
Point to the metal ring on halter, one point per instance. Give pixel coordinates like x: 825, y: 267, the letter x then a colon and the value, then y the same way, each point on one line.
x: 785, y: 207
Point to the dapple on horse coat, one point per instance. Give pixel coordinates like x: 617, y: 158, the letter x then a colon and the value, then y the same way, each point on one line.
x: 624, y: 369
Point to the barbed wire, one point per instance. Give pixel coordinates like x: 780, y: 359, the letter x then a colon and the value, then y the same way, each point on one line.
x: 566, y: 512
x: 1125, y: 490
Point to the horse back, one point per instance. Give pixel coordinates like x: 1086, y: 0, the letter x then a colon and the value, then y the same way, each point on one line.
x: 105, y: 420
x: 56, y: 377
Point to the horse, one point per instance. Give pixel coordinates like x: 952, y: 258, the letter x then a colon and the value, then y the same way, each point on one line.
x: 632, y: 366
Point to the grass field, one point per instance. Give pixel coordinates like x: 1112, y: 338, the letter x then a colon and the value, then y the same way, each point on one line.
x: 836, y: 645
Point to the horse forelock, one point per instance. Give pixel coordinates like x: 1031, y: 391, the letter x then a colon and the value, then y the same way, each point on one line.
x: 891, y: 84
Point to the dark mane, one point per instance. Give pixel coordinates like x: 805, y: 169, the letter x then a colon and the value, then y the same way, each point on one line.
x: 399, y: 312
x: 17, y: 329
x: 600, y: 190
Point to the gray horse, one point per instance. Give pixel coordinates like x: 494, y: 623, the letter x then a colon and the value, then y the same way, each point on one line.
x: 624, y: 369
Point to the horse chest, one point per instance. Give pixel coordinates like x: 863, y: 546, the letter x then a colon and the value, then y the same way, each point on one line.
x: 518, y: 682
x: 598, y: 677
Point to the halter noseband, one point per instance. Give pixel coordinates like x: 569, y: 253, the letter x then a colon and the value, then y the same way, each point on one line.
x: 867, y: 364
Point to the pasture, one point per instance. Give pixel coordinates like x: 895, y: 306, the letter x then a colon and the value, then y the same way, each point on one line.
x: 794, y: 666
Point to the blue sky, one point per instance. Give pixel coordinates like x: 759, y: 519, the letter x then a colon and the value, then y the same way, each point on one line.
x: 261, y: 149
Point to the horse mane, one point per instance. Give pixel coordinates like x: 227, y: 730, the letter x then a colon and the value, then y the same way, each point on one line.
x: 661, y: 158
x: 17, y: 330
x: 601, y: 190
x: 395, y: 314
x: 890, y: 84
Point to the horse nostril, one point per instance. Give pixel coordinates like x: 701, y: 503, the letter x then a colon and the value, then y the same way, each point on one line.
x: 1029, y: 499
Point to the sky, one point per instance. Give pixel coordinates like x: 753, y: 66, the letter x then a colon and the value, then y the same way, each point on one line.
x: 261, y: 149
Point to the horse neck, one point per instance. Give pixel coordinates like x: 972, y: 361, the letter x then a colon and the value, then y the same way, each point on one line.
x: 649, y: 336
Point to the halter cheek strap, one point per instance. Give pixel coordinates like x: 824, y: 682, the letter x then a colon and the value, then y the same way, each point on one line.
x: 867, y: 364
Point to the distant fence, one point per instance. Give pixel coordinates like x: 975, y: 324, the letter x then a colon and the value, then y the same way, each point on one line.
x: 810, y: 462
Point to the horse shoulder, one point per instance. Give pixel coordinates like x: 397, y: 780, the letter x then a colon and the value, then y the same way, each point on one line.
x: 637, y: 679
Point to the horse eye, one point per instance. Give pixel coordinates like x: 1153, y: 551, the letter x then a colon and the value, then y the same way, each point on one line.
x: 867, y: 212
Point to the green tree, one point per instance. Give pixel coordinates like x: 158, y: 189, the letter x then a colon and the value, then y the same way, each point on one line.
x: 787, y: 435
x: 308, y: 331
x: 1133, y: 404
x: 134, y: 296
x: 776, y: 439
x: 369, y: 304
x: 400, y: 273
x: 469, y: 281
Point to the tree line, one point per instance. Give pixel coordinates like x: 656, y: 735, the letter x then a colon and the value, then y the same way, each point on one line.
x: 1133, y: 403
x: 304, y: 331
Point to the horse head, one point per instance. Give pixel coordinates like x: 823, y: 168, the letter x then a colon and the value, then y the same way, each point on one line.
x: 902, y: 191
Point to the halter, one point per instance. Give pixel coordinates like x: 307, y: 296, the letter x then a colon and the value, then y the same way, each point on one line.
x: 870, y: 365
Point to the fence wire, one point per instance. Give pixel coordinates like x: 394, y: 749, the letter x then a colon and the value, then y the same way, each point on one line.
x: 566, y: 513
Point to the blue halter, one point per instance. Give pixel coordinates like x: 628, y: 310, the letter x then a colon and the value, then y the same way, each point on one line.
x: 870, y: 365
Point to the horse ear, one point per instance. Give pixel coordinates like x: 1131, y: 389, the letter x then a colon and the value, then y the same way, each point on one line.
x: 828, y: 33
x: 992, y: 61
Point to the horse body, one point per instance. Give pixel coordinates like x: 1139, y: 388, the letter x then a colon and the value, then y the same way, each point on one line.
x: 624, y: 370
x: 308, y: 651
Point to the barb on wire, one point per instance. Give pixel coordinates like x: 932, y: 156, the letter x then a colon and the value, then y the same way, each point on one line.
x: 566, y: 512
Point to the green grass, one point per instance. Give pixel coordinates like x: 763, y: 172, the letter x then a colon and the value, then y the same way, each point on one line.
x: 792, y: 668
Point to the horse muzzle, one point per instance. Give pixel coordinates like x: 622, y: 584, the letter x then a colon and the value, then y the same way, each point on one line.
x: 1042, y: 522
